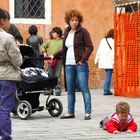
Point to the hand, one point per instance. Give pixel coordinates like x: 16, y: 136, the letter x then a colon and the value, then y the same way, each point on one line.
x: 45, y: 54
x: 80, y: 63
x: 17, y: 43
x: 129, y: 131
x: 96, y: 65
x: 116, y: 132
x: 25, y: 58
x: 51, y: 56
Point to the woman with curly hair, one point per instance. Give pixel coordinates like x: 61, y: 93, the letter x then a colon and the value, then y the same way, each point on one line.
x: 77, y: 47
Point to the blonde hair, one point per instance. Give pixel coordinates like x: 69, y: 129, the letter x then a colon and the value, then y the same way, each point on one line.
x: 122, y: 107
x: 73, y: 13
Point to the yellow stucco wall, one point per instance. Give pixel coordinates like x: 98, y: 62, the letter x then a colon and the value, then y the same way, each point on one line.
x: 98, y: 19
x: 4, y: 4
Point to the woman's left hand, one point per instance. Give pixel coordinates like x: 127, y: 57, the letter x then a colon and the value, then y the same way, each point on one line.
x: 80, y: 63
x: 129, y: 131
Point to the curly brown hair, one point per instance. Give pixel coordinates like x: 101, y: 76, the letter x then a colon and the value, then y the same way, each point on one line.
x: 73, y: 13
x: 122, y: 107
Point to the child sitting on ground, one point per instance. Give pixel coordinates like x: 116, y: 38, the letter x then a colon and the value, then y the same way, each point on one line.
x: 121, y: 121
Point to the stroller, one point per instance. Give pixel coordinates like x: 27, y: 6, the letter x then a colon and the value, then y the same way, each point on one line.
x: 35, y: 81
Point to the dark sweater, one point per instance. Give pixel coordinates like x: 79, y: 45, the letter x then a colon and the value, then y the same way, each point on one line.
x: 83, y: 46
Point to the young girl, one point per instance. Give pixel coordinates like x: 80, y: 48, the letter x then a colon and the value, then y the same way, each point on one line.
x: 53, y: 48
x: 120, y: 121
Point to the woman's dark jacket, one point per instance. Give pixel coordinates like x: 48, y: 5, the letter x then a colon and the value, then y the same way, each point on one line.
x: 83, y: 46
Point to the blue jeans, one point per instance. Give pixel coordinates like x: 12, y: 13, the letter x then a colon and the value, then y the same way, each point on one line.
x: 81, y: 73
x: 7, y: 97
x: 107, y: 80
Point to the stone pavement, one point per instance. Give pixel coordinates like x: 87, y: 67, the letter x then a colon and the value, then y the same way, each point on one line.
x: 42, y: 126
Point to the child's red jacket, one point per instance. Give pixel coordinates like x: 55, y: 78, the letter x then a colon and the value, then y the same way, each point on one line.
x: 114, y: 124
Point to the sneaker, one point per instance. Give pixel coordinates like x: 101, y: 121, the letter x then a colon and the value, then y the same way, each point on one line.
x: 109, y: 93
x: 103, y: 122
x: 58, y: 93
x: 87, y: 116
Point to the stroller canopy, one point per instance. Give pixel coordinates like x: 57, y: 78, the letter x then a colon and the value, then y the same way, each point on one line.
x: 27, y: 52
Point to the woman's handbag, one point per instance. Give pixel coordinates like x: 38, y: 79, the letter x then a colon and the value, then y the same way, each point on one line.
x: 108, y: 44
x: 50, y: 62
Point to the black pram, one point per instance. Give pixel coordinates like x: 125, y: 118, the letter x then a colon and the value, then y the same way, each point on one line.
x: 34, y: 82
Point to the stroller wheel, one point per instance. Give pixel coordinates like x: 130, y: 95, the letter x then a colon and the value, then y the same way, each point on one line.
x: 54, y: 107
x: 24, y: 110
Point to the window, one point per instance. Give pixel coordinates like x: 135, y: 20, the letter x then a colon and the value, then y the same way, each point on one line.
x: 30, y: 11
x: 29, y: 8
x: 127, y: 9
x: 124, y: 2
x: 131, y: 8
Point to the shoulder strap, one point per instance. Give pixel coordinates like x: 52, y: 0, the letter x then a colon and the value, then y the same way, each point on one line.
x: 108, y: 44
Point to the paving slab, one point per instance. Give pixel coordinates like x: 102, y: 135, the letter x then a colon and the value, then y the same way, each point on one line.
x: 42, y: 126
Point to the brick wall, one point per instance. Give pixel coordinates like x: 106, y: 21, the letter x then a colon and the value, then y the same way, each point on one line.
x: 98, y: 19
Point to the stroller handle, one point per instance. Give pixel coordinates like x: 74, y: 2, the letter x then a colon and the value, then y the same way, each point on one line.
x: 40, y: 58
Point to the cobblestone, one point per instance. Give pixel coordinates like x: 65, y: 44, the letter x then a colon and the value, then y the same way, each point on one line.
x: 42, y: 126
